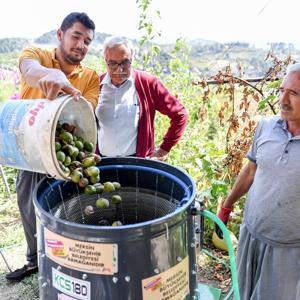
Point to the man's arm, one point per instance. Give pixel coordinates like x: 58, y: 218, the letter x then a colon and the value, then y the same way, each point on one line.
x: 169, y: 105
x: 240, y: 188
x: 50, y: 81
x: 242, y: 184
x: 159, y: 154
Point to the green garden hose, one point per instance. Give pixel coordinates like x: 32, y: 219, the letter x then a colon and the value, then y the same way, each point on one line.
x: 232, y: 266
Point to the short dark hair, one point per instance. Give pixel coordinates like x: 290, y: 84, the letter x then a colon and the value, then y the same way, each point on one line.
x: 83, y: 18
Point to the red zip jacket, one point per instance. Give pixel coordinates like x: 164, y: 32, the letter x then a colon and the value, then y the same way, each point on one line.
x: 152, y: 97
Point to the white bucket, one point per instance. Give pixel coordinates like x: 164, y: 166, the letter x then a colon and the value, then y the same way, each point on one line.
x: 27, y: 131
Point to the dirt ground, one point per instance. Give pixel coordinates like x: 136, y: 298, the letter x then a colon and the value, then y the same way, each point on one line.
x: 26, y: 289
x: 213, y: 273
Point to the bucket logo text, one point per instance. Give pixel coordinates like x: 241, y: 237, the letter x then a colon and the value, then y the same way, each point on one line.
x: 34, y: 112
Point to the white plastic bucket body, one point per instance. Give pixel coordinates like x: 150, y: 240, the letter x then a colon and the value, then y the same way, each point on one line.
x: 27, y: 131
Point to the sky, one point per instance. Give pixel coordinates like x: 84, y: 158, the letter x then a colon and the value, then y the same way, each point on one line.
x: 253, y: 21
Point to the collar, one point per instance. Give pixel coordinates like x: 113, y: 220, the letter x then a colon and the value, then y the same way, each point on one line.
x: 280, y: 123
x: 107, y: 80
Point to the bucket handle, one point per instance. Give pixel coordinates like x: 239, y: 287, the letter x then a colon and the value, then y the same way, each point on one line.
x: 198, y: 221
x: 54, y: 177
x: 50, y: 176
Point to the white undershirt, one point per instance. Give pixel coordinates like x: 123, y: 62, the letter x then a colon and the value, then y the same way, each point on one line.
x: 118, y: 116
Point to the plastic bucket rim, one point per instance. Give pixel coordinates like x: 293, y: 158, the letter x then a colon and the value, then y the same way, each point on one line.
x: 64, y: 103
x: 56, y: 119
x: 54, y: 124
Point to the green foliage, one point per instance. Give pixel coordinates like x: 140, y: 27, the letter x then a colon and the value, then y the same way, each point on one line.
x: 147, y: 20
x: 149, y: 52
x: 11, y: 176
x: 9, y: 60
x: 8, y: 45
x: 203, y: 148
x: 95, y: 61
x: 11, y: 235
x: 8, y: 88
x: 271, y: 97
x: 29, y: 289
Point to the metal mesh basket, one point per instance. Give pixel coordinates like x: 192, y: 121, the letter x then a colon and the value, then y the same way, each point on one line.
x: 138, y: 205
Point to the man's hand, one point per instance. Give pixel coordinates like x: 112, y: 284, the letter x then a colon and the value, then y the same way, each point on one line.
x: 50, y: 81
x: 54, y: 83
x: 159, y: 154
x: 224, y: 215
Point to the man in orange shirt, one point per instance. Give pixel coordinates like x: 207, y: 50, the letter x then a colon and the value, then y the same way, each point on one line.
x: 45, y: 74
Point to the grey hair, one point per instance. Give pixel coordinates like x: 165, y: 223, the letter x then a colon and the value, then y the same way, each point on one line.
x: 114, y: 41
x: 293, y: 68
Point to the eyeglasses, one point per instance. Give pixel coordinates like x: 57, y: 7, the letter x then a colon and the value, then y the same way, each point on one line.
x: 113, y: 65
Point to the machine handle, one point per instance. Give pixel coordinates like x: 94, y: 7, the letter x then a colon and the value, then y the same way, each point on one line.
x: 198, y: 221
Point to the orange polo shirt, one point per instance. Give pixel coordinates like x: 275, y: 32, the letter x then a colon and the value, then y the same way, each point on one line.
x: 82, y: 78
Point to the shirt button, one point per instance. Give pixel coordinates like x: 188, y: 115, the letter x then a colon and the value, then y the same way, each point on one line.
x: 286, y: 151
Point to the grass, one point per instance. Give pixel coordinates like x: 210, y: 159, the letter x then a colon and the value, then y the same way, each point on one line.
x: 13, y: 249
x: 11, y: 231
x: 27, y: 289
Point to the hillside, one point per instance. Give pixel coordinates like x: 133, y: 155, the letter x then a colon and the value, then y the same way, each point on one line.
x: 50, y: 38
x: 206, y: 57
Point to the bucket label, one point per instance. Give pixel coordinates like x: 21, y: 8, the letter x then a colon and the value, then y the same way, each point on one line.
x: 82, y: 256
x: 80, y: 289
x: 11, y: 117
x: 172, y: 284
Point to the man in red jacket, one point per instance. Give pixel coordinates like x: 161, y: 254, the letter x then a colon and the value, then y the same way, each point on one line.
x: 127, y: 105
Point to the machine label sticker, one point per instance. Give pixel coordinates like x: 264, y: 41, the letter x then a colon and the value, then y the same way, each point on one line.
x: 172, y: 284
x: 64, y: 297
x: 74, y: 287
x: 82, y: 256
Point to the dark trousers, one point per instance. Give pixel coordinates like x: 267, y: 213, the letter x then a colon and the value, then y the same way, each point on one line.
x: 26, y: 183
